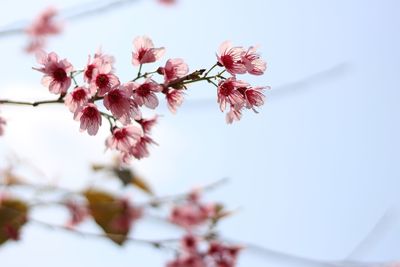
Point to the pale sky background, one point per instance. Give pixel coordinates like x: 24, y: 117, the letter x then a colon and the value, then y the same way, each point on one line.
x: 312, y: 174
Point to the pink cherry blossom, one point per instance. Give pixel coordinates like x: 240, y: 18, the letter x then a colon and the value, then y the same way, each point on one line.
x: 44, y: 24
x: 174, y: 99
x: 148, y: 124
x: 124, y: 138
x: 228, y: 92
x: 174, y: 69
x: 167, y: 2
x: 144, y: 51
x: 35, y: 45
x: 2, y: 124
x: 234, y: 114
x: 129, y: 214
x: 231, y: 58
x: 223, y: 255
x: 90, y: 118
x: 192, y: 214
x: 144, y: 94
x: 103, y: 80
x: 253, y: 62
x: 78, y: 213
x: 141, y: 150
x: 188, y: 261
x: 119, y: 103
x: 254, y: 96
x: 57, y: 72
x: 77, y: 98
x: 100, y: 60
x: 189, y: 243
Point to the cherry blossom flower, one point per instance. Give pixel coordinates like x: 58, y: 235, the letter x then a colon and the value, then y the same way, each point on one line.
x: 223, y: 255
x: 148, y: 124
x: 253, y: 62
x: 103, y: 80
x: 141, y: 150
x: 43, y: 26
x: 188, y: 261
x: 119, y: 103
x: 254, y: 96
x: 2, y: 124
x: 99, y: 60
x: 234, y: 114
x: 35, y: 45
x: 231, y: 58
x: 57, y: 72
x: 189, y: 243
x: 77, y: 98
x: 78, y: 213
x: 174, y: 99
x: 174, y: 69
x: 228, y: 93
x: 167, y: 2
x: 144, y: 94
x: 128, y: 216
x: 216, y: 255
x: 192, y: 214
x: 90, y: 118
x: 144, y: 51
x: 124, y: 138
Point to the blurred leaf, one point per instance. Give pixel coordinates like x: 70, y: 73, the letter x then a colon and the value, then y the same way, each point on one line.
x: 98, y: 167
x: 11, y: 179
x: 220, y: 213
x: 127, y: 176
x: 106, y: 211
x: 13, y: 215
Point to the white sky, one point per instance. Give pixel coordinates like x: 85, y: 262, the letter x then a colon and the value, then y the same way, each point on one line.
x: 312, y: 173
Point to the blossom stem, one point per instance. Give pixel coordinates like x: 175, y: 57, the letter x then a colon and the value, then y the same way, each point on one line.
x: 215, y: 65
x: 139, y: 71
x: 219, y: 75
x: 109, y: 118
x: 144, y: 75
x: 75, y: 82
x: 208, y: 79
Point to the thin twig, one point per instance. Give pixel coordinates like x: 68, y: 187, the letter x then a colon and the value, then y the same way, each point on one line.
x: 177, y: 197
x: 27, y: 103
x: 162, y: 243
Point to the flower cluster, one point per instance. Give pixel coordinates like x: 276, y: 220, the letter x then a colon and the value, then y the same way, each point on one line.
x: 116, y: 216
x: 192, y: 215
x: 235, y: 93
x: 217, y: 254
x: 103, y: 95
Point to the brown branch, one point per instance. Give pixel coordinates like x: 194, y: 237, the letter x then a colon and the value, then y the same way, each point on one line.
x: 33, y: 104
